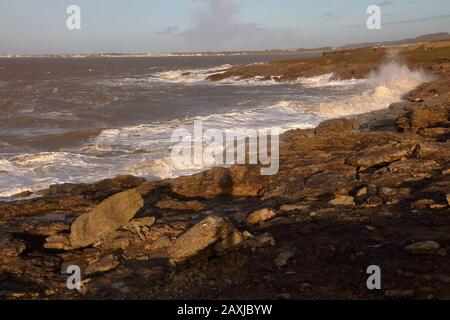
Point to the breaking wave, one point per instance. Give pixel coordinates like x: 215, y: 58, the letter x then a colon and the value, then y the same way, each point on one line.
x: 144, y: 149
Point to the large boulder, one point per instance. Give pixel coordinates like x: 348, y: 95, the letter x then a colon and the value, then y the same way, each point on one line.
x: 212, y: 230
x: 108, y: 216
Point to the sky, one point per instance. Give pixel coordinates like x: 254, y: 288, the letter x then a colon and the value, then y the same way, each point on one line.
x: 139, y: 26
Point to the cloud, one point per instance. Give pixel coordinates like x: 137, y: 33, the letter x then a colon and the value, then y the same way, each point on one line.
x: 216, y: 26
x: 219, y: 22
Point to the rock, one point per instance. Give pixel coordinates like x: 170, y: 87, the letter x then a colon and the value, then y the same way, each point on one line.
x: 377, y: 155
x: 247, y: 181
x: 448, y: 199
x: 104, y: 264
x: 265, y: 239
x: 393, y: 196
x: 372, y: 201
x: 118, y: 240
x: 336, y: 126
x: 342, y: 201
x: 108, y: 216
x: 260, y: 215
x: 247, y: 235
x: 137, y: 224
x: 282, y: 259
x: 172, y: 204
x: 423, y: 117
x: 446, y: 172
x: 11, y: 247
x: 294, y: 207
x: 422, y: 204
x: 438, y: 206
x: 209, y: 231
x: 58, y: 242
x: 423, y: 248
x: 208, y: 184
x: 362, y: 192
x: 146, y: 188
x: 48, y: 230
x: 240, y: 217
x: 399, y: 294
x: 162, y: 242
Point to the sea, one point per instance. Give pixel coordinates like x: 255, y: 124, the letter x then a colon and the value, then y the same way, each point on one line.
x: 79, y: 120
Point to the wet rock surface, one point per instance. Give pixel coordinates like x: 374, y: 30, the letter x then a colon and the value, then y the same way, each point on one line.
x: 351, y: 193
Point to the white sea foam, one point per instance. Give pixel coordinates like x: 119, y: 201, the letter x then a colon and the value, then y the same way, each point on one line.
x: 386, y: 85
x: 200, y: 77
x: 144, y: 150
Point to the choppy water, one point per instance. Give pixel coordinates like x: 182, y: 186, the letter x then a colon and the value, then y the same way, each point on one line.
x: 80, y: 120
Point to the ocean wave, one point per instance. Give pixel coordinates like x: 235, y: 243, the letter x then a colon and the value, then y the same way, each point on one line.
x: 382, y: 87
x: 200, y: 77
x: 144, y: 149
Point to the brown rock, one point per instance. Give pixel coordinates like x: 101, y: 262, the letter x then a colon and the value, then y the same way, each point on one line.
x: 423, y: 248
x: 172, y: 204
x: 342, y: 201
x: 108, y: 216
x: 104, y: 264
x: 146, y: 188
x: 392, y: 195
x: 118, y: 240
x: 362, y: 192
x: 209, y: 231
x: 282, y: 259
x: 423, y: 117
x: 11, y: 247
x: 208, y: 184
x: 376, y: 155
x: 140, y: 223
x: 422, y: 204
x: 247, y: 181
x: 260, y: 215
x: 294, y: 207
x: 336, y: 126
x: 448, y: 199
x: 48, y: 230
x: 58, y: 242
x: 265, y: 239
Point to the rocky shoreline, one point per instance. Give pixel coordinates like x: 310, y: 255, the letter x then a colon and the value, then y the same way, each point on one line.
x: 351, y: 193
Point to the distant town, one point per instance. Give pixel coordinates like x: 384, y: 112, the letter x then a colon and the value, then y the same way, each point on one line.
x: 442, y: 36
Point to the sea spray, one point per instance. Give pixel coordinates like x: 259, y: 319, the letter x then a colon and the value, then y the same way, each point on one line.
x: 389, y: 83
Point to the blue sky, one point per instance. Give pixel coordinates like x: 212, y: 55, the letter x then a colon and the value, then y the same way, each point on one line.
x: 36, y: 27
